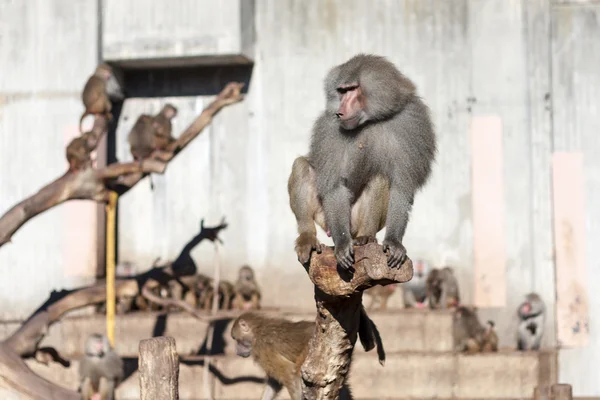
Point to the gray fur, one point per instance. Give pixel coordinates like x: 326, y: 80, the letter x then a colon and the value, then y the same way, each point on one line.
x: 99, y: 372
x: 415, y: 290
x: 441, y: 285
x: 531, y: 325
x: 395, y: 138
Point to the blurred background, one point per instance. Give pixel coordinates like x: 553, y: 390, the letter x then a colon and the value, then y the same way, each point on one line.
x: 513, y: 87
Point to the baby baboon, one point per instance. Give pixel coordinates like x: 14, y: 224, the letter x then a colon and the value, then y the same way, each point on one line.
x: 163, y: 127
x: 380, y: 295
x: 489, y: 342
x: 101, y: 369
x: 469, y: 335
x: 532, y: 315
x: 247, y: 292
x: 442, y: 289
x: 371, y: 150
x: 99, y: 90
x: 279, y: 347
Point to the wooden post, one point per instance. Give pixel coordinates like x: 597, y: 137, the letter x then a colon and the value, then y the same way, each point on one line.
x: 561, y: 391
x: 339, y: 299
x: 159, y: 369
x: 541, y: 392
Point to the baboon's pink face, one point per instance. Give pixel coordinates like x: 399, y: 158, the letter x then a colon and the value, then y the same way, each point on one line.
x: 351, y: 112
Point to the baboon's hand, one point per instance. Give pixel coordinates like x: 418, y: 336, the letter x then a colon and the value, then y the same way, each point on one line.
x: 344, y: 254
x: 396, y: 253
x: 305, y: 244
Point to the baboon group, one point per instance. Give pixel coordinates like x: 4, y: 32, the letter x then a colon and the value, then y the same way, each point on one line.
x: 197, y: 290
x: 371, y: 150
x: 438, y: 289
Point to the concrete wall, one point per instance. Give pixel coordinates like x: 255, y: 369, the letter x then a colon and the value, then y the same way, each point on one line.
x: 519, y: 60
x: 576, y: 96
x: 47, y: 50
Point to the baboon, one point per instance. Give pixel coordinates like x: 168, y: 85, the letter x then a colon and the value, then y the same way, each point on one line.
x: 184, y: 288
x: 101, y: 369
x: 469, y: 335
x: 247, y: 292
x: 415, y: 290
x: 371, y: 150
x: 280, y: 347
x: 226, y: 294
x: 442, y: 289
x: 532, y: 315
x: 151, y: 133
x: 489, y: 342
x: 100, y: 89
x: 79, y: 150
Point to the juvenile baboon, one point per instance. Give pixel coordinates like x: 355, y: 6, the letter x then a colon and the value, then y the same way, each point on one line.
x: 101, y: 369
x: 151, y: 133
x: 489, y: 342
x: 415, y: 290
x: 162, y: 126
x: 158, y: 289
x: 371, y: 150
x: 100, y: 89
x: 226, y: 293
x: 442, y: 289
x: 532, y: 315
x: 247, y: 292
x: 79, y: 150
x: 184, y: 288
x: 279, y: 347
x: 470, y: 335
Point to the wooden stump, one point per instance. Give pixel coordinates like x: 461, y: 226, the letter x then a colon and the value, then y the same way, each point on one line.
x: 561, y: 391
x: 159, y: 369
x: 338, y: 296
x: 541, y: 392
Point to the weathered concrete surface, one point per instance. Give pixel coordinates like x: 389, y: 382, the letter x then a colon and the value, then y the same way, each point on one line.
x: 575, y: 99
x: 405, y: 375
x: 213, y: 30
x: 400, y: 331
x: 47, y: 51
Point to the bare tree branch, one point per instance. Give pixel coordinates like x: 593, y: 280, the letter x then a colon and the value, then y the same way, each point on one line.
x: 338, y: 295
x: 89, y: 183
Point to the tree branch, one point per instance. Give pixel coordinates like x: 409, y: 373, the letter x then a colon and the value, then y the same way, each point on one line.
x: 338, y: 297
x: 89, y: 183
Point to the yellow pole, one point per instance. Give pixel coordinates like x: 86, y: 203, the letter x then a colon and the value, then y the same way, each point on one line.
x: 110, y: 266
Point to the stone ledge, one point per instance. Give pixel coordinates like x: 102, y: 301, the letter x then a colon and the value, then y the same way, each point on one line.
x: 401, y: 330
x: 412, y: 375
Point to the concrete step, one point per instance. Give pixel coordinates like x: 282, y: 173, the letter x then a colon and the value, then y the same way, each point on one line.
x: 414, y: 375
x: 401, y: 330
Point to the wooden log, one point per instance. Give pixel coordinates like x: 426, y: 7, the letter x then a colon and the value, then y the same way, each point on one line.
x: 561, y: 391
x: 159, y: 369
x: 338, y: 296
